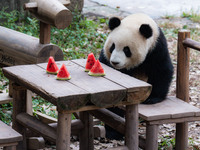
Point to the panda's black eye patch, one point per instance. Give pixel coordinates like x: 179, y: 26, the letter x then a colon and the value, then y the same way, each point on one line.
x: 127, y: 51
x: 112, y: 47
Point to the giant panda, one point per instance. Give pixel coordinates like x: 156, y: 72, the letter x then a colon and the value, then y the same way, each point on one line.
x: 136, y: 46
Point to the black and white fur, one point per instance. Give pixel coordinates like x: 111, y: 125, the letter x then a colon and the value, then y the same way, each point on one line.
x: 136, y: 46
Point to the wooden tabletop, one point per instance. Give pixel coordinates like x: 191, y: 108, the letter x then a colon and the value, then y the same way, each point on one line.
x: 82, y: 91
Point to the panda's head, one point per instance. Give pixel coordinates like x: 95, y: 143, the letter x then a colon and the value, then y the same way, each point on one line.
x: 130, y: 40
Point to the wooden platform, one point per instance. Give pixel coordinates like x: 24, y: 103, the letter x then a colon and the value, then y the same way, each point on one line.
x: 79, y: 94
x: 8, y: 136
x: 172, y: 109
x: 5, y: 98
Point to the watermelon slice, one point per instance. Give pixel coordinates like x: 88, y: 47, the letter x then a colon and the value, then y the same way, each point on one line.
x: 63, y: 74
x: 52, y: 68
x: 90, y: 62
x: 97, y: 70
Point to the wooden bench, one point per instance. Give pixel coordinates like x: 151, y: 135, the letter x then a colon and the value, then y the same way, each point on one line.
x: 9, y: 138
x: 173, y: 109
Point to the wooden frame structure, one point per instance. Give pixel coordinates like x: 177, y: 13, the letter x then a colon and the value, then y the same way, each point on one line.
x: 176, y: 109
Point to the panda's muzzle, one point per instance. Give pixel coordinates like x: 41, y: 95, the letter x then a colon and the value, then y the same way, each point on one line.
x: 114, y: 63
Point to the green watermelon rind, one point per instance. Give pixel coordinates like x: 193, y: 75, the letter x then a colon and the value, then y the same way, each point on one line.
x: 96, y: 74
x: 68, y: 78
x: 52, y: 72
x: 87, y: 70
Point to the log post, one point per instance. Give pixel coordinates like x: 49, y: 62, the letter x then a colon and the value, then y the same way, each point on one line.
x: 151, y: 137
x: 45, y: 33
x: 182, y: 87
x: 131, y: 127
x: 63, y: 131
x: 19, y: 106
x: 86, y: 135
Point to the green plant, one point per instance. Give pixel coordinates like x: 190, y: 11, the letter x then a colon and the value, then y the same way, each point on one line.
x: 192, y: 15
x: 166, y: 142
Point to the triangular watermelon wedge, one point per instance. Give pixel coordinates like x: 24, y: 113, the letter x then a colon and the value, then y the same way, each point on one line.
x: 52, y: 68
x: 90, y: 62
x: 63, y: 74
x: 97, y: 70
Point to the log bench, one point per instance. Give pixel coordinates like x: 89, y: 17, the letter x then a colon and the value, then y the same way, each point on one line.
x: 9, y: 138
x: 173, y: 109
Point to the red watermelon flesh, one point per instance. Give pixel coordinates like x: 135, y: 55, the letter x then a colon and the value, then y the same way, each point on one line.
x: 63, y: 74
x: 97, y: 70
x: 52, y: 68
x: 90, y: 62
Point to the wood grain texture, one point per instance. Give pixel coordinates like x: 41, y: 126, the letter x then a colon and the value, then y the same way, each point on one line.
x: 45, y: 33
x: 8, y: 135
x: 17, y: 48
x: 191, y: 44
x: 81, y: 88
x: 52, y: 12
x: 170, y: 108
x: 37, y: 126
x: 5, y: 98
x: 63, y: 131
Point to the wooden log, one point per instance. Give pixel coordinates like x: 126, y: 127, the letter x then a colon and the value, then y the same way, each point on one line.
x: 131, y: 127
x: 86, y: 135
x: 36, y: 143
x: 191, y: 44
x: 183, y: 59
x: 45, y: 33
x: 51, y: 12
x: 37, y: 126
x: 182, y: 87
x: 17, y: 48
x: 63, y: 131
x: 151, y: 137
x: 19, y: 106
x: 110, y: 118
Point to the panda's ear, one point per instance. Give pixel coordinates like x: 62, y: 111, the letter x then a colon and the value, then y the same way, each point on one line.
x: 146, y: 30
x: 114, y: 22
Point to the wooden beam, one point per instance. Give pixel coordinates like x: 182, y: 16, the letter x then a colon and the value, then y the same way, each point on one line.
x: 182, y: 87
x: 37, y: 126
x: 191, y: 44
x: 110, y: 118
x: 30, y: 5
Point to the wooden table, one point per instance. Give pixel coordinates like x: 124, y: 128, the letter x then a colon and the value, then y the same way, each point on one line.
x: 79, y: 94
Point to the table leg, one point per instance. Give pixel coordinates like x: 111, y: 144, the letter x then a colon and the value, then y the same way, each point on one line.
x: 86, y: 135
x: 131, y: 127
x: 19, y: 106
x: 63, y: 131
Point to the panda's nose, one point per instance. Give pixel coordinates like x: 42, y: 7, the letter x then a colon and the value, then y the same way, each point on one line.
x: 114, y: 63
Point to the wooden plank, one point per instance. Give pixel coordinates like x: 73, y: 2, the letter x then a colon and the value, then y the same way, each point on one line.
x: 176, y: 120
x: 8, y: 135
x: 5, y: 98
x: 37, y: 126
x: 118, y: 148
x: 103, y: 92
x: 37, y: 80
x: 167, y: 110
x: 124, y: 80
